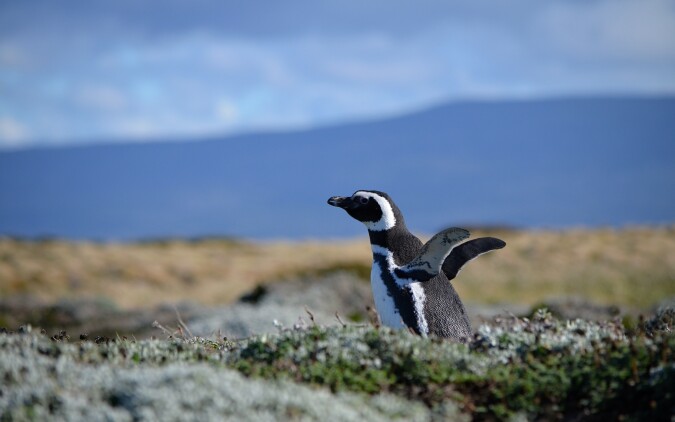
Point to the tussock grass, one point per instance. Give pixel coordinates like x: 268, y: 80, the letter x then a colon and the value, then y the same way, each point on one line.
x: 632, y: 267
x: 149, y: 273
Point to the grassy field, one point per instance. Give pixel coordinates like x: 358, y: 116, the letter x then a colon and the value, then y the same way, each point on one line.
x: 536, y: 368
x: 632, y: 267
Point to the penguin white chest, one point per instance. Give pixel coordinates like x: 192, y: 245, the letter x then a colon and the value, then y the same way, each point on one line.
x: 384, y: 301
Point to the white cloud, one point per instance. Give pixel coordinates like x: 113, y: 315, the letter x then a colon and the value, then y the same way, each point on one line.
x: 120, y: 83
x: 136, y: 127
x: 618, y: 29
x: 102, y: 97
x: 226, y: 111
x: 11, y: 55
x: 12, y: 133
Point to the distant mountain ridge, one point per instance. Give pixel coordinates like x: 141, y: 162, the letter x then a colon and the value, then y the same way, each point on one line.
x: 555, y: 162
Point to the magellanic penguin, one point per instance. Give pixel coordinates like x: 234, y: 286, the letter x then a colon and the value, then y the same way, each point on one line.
x: 410, y: 280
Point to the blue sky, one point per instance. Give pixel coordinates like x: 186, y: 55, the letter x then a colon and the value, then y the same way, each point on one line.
x: 91, y: 71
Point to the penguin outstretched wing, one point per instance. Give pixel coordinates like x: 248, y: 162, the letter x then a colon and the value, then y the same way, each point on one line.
x: 468, y: 251
x: 428, y: 263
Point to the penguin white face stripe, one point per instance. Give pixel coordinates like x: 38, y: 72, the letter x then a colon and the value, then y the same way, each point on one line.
x: 388, y: 220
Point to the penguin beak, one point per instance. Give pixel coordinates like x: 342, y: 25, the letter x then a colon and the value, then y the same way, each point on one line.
x: 341, y: 202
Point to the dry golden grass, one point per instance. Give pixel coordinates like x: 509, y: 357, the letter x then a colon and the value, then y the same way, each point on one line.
x: 633, y: 267
x: 141, y: 274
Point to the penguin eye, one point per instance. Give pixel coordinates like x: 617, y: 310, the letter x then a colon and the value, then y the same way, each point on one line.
x: 363, y: 199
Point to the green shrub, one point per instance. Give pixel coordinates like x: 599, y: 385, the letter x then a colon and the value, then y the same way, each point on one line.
x: 540, y: 368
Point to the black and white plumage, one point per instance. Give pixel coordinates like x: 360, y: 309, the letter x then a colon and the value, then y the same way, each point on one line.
x: 410, y: 280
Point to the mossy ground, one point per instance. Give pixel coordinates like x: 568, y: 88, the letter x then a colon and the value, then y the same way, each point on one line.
x: 540, y: 368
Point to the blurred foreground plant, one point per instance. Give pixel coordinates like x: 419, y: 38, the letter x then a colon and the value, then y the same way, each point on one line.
x: 539, y: 368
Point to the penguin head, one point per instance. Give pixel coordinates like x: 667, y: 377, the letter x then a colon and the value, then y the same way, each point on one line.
x: 373, y: 208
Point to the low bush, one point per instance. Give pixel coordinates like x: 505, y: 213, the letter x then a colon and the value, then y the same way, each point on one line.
x: 540, y: 368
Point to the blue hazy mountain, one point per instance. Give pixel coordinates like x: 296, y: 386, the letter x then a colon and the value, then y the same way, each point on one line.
x: 552, y: 163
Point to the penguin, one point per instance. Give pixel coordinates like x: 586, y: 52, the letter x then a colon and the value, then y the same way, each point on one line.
x: 410, y: 280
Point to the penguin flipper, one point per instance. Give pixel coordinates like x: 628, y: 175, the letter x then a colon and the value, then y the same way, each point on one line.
x: 428, y: 263
x: 468, y: 251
